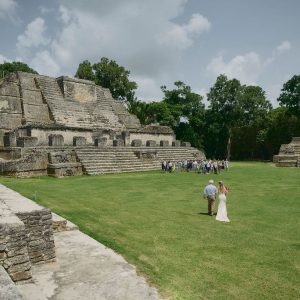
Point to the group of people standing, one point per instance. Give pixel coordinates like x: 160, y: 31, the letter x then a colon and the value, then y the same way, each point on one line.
x: 210, y: 192
x: 201, y: 166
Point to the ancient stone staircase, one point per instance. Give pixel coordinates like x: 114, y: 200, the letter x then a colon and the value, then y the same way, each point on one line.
x: 112, y: 160
x: 128, y: 159
x: 72, y: 113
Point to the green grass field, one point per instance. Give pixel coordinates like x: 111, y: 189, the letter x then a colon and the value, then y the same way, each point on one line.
x: 158, y: 223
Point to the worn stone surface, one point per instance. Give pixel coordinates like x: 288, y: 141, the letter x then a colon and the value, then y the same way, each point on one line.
x: 85, y: 269
x: 289, y: 154
x: 118, y: 143
x: 8, y: 290
x: 176, y: 143
x: 79, y: 141
x: 14, y: 255
x: 56, y: 140
x: 136, y: 143
x: 38, y: 233
x: 164, y: 143
x: 150, y: 143
x: 27, y: 141
x: 185, y: 144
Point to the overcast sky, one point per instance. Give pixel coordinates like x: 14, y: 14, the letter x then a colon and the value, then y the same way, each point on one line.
x: 159, y: 41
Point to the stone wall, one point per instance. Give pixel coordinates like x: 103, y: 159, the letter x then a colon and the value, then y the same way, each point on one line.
x: 33, y: 162
x: 13, y: 245
x: 144, y: 137
x: 10, y: 105
x: 79, y: 90
x: 26, y: 234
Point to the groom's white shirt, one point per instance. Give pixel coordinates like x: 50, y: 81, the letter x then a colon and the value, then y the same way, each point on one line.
x: 210, y: 190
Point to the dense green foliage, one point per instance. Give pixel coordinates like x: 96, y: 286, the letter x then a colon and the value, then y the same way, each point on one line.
x: 109, y: 74
x: 8, y: 67
x: 158, y: 222
x: 290, y: 95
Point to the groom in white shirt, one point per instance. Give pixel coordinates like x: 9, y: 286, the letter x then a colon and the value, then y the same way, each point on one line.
x: 210, y: 192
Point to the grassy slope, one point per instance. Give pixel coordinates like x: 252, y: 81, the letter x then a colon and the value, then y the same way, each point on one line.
x: 154, y: 220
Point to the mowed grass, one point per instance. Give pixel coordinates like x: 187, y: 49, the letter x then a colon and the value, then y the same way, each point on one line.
x: 157, y: 222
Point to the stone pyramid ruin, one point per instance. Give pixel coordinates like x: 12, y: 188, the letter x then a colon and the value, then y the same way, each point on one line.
x: 65, y: 126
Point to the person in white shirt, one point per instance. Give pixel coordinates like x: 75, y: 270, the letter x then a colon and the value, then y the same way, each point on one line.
x: 209, y: 193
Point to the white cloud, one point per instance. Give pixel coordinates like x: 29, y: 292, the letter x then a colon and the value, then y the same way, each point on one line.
x: 44, y: 63
x: 140, y: 35
x: 247, y: 67
x: 182, y: 36
x: 8, y: 9
x: 33, y: 37
x: 3, y: 59
x: 148, y: 89
x: 280, y: 49
x: 284, y: 46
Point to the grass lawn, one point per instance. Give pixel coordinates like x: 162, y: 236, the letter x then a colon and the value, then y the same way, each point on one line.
x: 157, y: 222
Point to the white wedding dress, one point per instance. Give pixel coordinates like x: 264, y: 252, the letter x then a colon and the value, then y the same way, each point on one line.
x: 222, y: 210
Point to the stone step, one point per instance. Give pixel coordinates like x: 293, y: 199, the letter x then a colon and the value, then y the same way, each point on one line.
x: 97, y: 172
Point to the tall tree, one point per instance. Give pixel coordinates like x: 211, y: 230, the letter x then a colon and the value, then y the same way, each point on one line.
x: 224, y: 105
x: 233, y: 105
x: 8, y: 67
x: 109, y: 74
x: 290, y: 95
x: 184, y: 104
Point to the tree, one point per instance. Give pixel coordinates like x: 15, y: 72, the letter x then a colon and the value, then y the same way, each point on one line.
x: 225, y: 106
x: 8, y: 67
x: 85, y: 71
x: 109, y: 74
x: 186, y: 105
x: 290, y: 95
x: 233, y: 105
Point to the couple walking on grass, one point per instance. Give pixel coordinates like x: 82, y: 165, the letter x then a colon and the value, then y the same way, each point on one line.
x: 210, y: 192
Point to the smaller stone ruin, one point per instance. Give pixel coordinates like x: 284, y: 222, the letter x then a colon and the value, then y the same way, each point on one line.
x: 289, y: 154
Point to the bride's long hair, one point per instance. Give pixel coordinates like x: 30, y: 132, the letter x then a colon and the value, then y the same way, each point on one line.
x: 222, y: 187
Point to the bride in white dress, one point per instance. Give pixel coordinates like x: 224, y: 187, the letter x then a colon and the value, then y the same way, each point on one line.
x: 222, y: 210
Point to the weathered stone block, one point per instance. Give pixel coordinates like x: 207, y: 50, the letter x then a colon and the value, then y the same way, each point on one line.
x: 10, y: 90
x: 10, y: 139
x: 176, y: 143
x: 32, y: 97
x: 18, y: 276
x: 136, y: 143
x: 63, y: 170
x: 56, y: 140
x: 185, y: 144
x: 118, y: 143
x: 164, y: 143
x: 27, y: 81
x: 79, y: 141
x: 27, y: 141
x: 36, y: 113
x: 10, y: 104
x: 100, y: 142
x: 151, y: 143
x: 10, y: 120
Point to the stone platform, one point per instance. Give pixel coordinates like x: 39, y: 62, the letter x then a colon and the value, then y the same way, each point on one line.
x: 85, y: 269
x: 289, y: 154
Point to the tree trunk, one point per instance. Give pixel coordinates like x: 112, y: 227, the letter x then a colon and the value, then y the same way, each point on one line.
x: 229, y: 143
